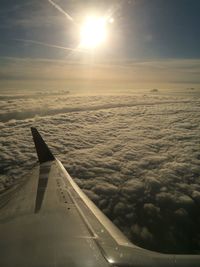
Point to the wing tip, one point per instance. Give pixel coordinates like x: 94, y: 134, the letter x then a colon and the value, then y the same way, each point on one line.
x: 43, y: 152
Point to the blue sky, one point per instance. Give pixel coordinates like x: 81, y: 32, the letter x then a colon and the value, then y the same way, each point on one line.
x: 143, y: 30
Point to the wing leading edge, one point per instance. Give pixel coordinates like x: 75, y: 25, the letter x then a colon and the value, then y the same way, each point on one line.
x: 50, y: 222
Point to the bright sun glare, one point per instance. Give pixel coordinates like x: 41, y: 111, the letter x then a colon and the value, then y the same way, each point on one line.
x: 93, y: 32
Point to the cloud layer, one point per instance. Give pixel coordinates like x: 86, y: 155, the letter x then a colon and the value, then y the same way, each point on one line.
x: 159, y: 72
x: 136, y: 156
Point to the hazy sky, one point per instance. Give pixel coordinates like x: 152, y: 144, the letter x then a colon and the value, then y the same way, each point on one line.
x: 164, y: 31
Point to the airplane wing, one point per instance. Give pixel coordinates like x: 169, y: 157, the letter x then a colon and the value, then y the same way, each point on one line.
x: 47, y: 221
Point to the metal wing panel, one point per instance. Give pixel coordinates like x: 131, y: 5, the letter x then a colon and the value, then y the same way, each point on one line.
x: 48, y: 221
x: 54, y: 234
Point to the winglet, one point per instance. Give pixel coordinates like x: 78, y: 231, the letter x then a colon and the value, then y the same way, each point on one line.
x: 43, y: 152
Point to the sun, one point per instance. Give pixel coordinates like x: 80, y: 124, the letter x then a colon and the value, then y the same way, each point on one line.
x: 93, y: 32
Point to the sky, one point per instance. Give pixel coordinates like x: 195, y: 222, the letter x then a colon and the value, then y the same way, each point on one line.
x: 144, y: 36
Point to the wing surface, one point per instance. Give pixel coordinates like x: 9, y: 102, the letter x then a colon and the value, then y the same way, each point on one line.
x: 47, y: 220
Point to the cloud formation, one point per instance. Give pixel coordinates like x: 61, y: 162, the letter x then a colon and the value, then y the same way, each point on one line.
x: 136, y: 156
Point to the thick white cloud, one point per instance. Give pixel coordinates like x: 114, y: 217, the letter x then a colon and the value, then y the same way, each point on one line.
x: 136, y: 156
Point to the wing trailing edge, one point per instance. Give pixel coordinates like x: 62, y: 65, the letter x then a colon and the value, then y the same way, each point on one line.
x: 43, y: 152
